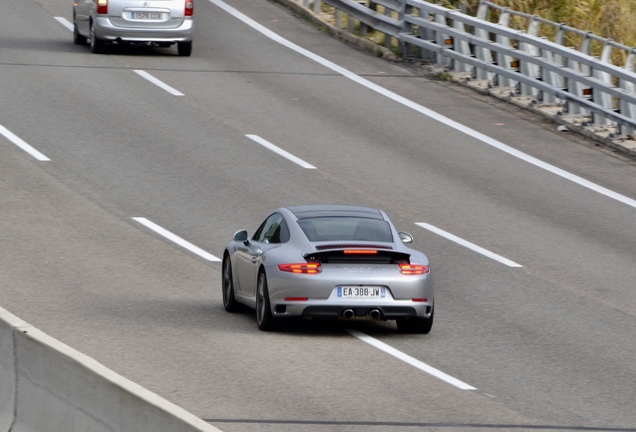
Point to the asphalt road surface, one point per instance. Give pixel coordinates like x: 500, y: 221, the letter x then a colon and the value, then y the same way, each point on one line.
x: 531, y: 232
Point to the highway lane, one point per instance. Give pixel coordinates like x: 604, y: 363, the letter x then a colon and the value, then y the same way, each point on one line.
x: 512, y: 333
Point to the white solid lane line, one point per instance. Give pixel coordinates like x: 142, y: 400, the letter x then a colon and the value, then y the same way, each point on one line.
x: 280, y: 151
x: 23, y: 145
x: 158, y: 83
x: 64, y: 22
x: 468, y: 244
x: 176, y: 239
x: 410, y: 360
x: 427, y: 112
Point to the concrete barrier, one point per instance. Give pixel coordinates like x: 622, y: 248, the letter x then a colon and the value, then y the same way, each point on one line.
x: 7, y: 370
x: 47, y: 386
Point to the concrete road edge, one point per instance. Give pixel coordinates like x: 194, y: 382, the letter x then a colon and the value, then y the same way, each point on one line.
x: 47, y: 385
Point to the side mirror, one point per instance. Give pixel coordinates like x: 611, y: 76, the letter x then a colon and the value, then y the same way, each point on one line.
x: 405, y: 237
x: 240, y: 236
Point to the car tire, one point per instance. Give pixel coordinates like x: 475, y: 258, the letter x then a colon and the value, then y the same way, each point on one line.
x: 184, y: 48
x: 227, y: 283
x: 264, y: 317
x: 97, y: 45
x: 416, y: 325
x: 78, y: 39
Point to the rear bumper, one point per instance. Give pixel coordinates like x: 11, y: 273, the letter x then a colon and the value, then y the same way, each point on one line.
x: 317, y: 296
x: 360, y: 311
x: 106, y: 31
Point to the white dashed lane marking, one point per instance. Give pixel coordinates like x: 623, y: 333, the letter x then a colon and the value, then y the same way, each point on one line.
x: 468, y: 244
x: 22, y: 144
x: 176, y: 239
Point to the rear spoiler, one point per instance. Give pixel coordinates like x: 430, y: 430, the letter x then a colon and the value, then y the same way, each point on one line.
x: 359, y: 254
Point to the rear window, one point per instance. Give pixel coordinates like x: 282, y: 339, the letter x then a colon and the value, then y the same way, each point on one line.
x: 345, y: 228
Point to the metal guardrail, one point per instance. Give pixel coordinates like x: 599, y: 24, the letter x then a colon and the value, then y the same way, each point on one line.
x: 519, y: 61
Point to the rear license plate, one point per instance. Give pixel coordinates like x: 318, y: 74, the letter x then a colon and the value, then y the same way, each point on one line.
x: 146, y: 15
x: 361, y: 292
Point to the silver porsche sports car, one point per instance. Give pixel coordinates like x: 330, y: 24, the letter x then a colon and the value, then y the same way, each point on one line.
x: 329, y: 261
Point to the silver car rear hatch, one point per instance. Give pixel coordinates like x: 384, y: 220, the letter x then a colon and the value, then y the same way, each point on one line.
x: 151, y: 14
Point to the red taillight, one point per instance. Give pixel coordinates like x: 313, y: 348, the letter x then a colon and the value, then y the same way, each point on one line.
x: 304, y: 268
x: 102, y: 6
x: 189, y: 7
x: 296, y: 298
x: 360, y: 252
x: 414, y: 269
x: 420, y: 300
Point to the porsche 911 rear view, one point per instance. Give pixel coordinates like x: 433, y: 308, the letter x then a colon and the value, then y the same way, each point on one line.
x: 329, y: 262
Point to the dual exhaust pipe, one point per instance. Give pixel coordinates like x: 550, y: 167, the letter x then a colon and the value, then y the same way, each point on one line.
x: 373, y: 314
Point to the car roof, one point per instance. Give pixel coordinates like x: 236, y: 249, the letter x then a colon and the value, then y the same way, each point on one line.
x: 332, y: 210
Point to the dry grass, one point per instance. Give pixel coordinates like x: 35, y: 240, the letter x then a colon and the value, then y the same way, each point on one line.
x: 613, y: 19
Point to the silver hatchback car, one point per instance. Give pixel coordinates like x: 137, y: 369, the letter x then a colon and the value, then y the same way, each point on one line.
x: 150, y: 22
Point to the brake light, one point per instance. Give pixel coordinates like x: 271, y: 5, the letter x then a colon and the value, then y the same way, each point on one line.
x: 102, y: 6
x: 414, y: 269
x: 360, y: 252
x: 189, y: 7
x: 301, y: 268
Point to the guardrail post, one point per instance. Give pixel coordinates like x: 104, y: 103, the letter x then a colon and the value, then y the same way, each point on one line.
x: 387, y: 38
x: 586, y: 48
x: 503, y: 60
x: 530, y: 69
x: 553, y: 79
x: 363, y: 27
x: 576, y: 88
x: 443, y: 41
x: 317, y: 5
x: 560, y: 80
x: 461, y: 47
x: 401, y: 11
x: 481, y: 53
x: 485, y: 55
x: 600, y: 97
x: 423, y: 33
x: 626, y: 108
x: 560, y: 39
x: 483, y: 11
x: 409, y: 50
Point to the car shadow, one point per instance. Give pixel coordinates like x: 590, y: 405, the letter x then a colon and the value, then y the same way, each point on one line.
x: 196, y: 315
x: 66, y: 46
x: 139, y: 50
x: 332, y: 327
x: 321, y: 327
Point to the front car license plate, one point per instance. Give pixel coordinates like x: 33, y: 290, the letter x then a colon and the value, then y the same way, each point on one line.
x: 146, y: 15
x: 364, y: 292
